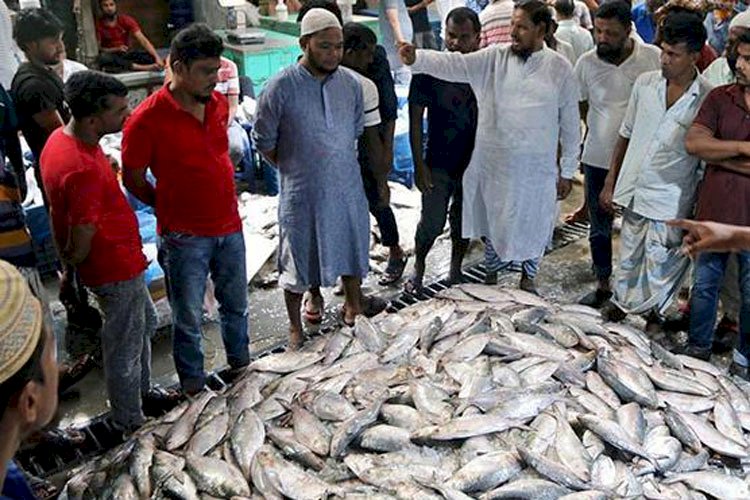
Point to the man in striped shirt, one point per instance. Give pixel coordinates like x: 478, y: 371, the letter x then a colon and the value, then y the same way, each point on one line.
x: 495, y: 19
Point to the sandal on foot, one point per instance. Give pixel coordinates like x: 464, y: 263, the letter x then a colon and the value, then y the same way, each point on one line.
x: 414, y: 287
x: 159, y: 401
x: 312, y: 317
x: 70, y: 375
x: 393, y: 271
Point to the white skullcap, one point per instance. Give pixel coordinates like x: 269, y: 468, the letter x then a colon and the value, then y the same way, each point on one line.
x: 318, y: 20
x: 741, y: 20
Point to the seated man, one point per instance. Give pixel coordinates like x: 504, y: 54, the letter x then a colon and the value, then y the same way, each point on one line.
x: 114, y: 32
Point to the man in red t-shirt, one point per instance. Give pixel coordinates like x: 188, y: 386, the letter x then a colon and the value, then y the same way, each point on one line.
x: 114, y: 32
x: 180, y: 134
x: 97, y: 232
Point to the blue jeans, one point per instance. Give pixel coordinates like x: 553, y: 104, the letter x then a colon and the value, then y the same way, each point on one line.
x: 704, y: 296
x: 600, y: 231
x: 187, y: 261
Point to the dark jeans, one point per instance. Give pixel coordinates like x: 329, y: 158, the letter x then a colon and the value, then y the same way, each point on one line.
x: 119, y: 62
x: 187, y: 261
x: 382, y: 213
x: 600, y: 232
x: 704, y: 296
x: 435, y: 212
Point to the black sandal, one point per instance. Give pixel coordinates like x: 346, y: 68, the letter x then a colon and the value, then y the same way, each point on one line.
x: 393, y: 271
x: 159, y: 401
x: 414, y: 287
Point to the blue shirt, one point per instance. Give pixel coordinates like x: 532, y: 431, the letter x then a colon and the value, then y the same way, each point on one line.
x: 15, y: 486
x: 717, y: 32
x: 644, y: 22
x: 477, y: 5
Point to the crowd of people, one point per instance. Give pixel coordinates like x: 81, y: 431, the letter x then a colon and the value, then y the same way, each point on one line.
x: 503, y: 103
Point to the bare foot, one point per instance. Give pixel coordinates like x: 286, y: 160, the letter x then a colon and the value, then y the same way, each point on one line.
x: 580, y: 215
x: 295, y: 340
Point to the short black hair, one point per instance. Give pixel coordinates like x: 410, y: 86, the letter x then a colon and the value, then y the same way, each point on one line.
x: 684, y: 27
x: 617, y: 10
x: 539, y: 12
x: 358, y: 36
x: 195, y: 42
x: 31, y: 371
x: 732, y: 54
x: 565, y: 8
x: 328, y: 5
x: 87, y: 92
x: 33, y: 25
x: 460, y: 15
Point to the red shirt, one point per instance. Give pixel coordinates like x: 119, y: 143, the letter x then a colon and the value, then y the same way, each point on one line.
x: 116, y: 34
x: 195, y: 191
x: 82, y: 188
x: 724, y: 196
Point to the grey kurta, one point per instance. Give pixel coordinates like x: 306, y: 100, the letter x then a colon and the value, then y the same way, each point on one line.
x: 323, y: 220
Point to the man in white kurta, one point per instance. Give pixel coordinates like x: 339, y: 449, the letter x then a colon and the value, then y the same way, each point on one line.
x: 528, y: 104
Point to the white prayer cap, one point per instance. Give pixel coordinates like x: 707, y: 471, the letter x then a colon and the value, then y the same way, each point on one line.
x: 741, y: 20
x: 318, y: 20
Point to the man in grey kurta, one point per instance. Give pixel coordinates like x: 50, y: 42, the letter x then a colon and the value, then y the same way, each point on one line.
x: 308, y: 120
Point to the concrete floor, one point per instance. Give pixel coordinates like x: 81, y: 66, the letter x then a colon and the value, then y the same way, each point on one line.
x: 565, y: 275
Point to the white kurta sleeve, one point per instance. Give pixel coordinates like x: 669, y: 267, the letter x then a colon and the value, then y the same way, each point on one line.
x: 473, y: 68
x: 570, y: 125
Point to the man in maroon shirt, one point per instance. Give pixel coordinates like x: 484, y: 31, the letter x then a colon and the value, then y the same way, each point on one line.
x: 114, y: 32
x: 719, y: 136
x: 180, y: 134
x: 97, y: 232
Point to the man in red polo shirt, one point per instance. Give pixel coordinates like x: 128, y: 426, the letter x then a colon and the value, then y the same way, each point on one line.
x: 114, y: 32
x: 97, y: 232
x: 719, y: 136
x: 180, y: 134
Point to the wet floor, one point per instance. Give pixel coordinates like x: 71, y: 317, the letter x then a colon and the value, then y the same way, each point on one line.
x: 565, y: 275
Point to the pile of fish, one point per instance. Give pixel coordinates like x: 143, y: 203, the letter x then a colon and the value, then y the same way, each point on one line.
x: 482, y: 392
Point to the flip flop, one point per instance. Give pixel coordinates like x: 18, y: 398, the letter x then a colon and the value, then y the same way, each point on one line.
x: 393, y: 271
x: 70, y: 375
x: 312, y: 317
x: 159, y: 401
x: 414, y: 287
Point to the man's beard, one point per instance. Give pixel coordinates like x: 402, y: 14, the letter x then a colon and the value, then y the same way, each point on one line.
x: 109, y: 17
x: 608, y: 52
x: 522, y: 53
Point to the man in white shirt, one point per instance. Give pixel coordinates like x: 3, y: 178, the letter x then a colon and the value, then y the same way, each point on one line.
x: 653, y: 177
x: 569, y: 30
x: 527, y: 104
x: 10, y: 55
x: 606, y: 77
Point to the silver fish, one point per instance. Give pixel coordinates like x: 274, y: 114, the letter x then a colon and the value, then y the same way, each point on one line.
x: 712, y: 438
x: 612, y: 433
x: 348, y: 430
x: 183, y: 428
x: 528, y: 489
x: 714, y: 483
x: 285, y: 362
x: 285, y: 440
x: 486, y: 472
x: 216, y: 477
x: 599, y: 388
x: 385, y: 438
x: 140, y: 464
x: 551, y: 470
x: 207, y: 437
x: 246, y: 438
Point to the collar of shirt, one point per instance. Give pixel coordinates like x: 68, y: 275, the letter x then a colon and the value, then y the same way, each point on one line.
x: 567, y: 23
x: 738, y: 96
x: 167, y: 96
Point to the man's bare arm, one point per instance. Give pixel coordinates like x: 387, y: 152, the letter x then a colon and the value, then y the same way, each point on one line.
x: 49, y: 120
x: 148, y: 47
x: 700, y: 142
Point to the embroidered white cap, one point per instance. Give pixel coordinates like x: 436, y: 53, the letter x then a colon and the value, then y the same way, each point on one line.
x: 318, y: 20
